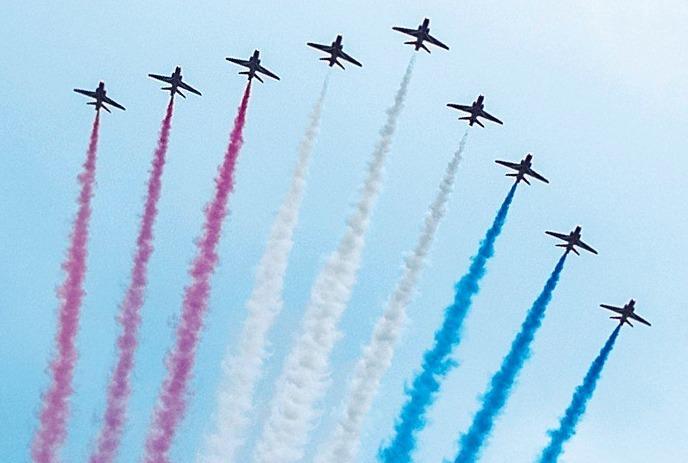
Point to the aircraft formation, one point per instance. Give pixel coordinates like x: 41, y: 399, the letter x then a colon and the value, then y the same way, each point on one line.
x: 475, y: 110
x: 476, y: 114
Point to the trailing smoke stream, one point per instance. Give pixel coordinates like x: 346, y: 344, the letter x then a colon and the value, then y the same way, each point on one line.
x: 376, y: 358
x: 51, y: 431
x: 578, y: 405
x: 436, y: 361
x: 498, y: 392
x: 303, y: 380
x: 129, y: 318
x: 241, y: 372
x: 171, y: 405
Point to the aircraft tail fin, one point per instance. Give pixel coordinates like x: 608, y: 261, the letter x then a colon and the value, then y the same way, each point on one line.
x: 173, y: 91
x: 338, y: 64
x: 479, y: 123
x: 620, y: 318
x: 567, y: 248
x: 525, y: 180
x: 422, y: 45
x: 258, y: 77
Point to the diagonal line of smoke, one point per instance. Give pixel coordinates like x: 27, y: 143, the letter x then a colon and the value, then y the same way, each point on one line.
x: 51, y: 431
x: 376, y: 358
x: 437, y: 360
x: 579, y: 402
x: 502, y: 382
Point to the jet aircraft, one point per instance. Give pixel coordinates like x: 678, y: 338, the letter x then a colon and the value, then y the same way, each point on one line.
x: 101, y: 98
x: 175, y: 83
x: 476, y: 110
x: 335, y: 51
x: 625, y: 312
x: 523, y: 168
x: 573, y: 239
x: 421, y: 35
x: 254, y: 66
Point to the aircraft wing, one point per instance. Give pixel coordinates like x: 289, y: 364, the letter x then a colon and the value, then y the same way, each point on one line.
x: 510, y: 165
x: 639, y: 318
x: 436, y: 42
x: 618, y: 310
x: 349, y: 59
x: 159, y: 77
x: 112, y: 102
x: 266, y: 72
x: 403, y: 30
x: 585, y: 246
x: 460, y: 107
x: 534, y: 174
x: 490, y: 117
x: 561, y: 236
x: 325, y: 48
x: 240, y: 62
x: 86, y: 92
x: 188, y: 87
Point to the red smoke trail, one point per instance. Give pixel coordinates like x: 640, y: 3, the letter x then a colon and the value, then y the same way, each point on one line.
x: 119, y: 388
x: 172, y: 400
x: 51, y: 431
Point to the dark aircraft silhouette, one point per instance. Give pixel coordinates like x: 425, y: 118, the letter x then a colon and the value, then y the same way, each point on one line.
x: 523, y: 168
x: 253, y: 65
x: 477, y: 109
x: 572, y: 240
x: 421, y: 34
x: 335, y: 51
x: 175, y: 83
x: 100, y: 95
x: 625, y: 312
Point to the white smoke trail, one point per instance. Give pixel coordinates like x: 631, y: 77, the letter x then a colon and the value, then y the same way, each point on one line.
x: 342, y: 446
x: 304, y: 377
x: 241, y: 372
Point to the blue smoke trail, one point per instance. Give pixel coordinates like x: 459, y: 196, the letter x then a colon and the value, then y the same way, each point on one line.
x: 502, y: 382
x: 436, y: 361
x: 579, y: 402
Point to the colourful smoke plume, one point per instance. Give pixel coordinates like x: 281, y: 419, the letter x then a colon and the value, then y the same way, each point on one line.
x: 51, y: 431
x: 119, y: 388
x: 171, y: 405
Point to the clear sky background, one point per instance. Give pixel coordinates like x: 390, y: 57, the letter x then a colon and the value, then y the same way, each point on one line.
x: 598, y: 91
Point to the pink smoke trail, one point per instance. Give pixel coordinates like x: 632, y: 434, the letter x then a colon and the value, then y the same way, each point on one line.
x: 51, y: 431
x: 119, y: 388
x: 171, y: 404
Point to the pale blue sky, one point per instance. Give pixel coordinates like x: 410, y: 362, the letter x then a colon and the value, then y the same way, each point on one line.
x: 598, y: 93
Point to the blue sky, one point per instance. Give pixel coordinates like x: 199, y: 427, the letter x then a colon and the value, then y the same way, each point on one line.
x: 599, y: 94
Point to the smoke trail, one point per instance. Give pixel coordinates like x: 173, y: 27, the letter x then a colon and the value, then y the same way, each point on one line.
x: 436, y: 361
x: 119, y: 388
x: 579, y: 402
x: 500, y: 386
x: 171, y: 404
x: 51, y: 431
x: 303, y: 380
x: 241, y: 372
x: 377, y: 355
